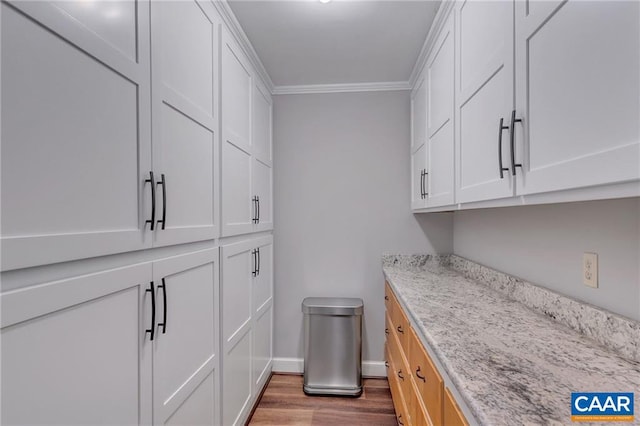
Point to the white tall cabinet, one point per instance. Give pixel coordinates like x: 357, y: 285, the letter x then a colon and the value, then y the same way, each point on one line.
x: 132, y: 148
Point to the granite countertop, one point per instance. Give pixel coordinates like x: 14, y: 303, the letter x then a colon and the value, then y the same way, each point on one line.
x: 513, y: 363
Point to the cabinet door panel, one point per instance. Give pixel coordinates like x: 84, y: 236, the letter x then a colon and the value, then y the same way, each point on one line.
x: 185, y: 93
x: 237, y: 381
x: 198, y: 410
x: 237, y: 264
x: 440, y: 166
x: 262, y: 133
x: 236, y: 95
x: 184, y: 350
x: 580, y: 110
x: 263, y: 188
x: 237, y: 207
x: 67, y: 359
x: 419, y: 115
x: 262, y: 351
x: 440, y: 80
x: 484, y: 79
x: 418, y: 164
x: 262, y: 291
x: 75, y: 140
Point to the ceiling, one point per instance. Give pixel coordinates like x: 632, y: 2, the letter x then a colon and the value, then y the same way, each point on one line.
x: 306, y: 42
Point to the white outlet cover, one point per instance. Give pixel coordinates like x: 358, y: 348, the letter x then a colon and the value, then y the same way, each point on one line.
x: 590, y: 269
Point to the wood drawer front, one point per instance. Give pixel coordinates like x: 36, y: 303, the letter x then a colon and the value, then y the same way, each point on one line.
x: 452, y: 414
x: 388, y: 297
x: 398, y: 318
x: 431, y: 388
x: 419, y: 415
x: 399, y: 403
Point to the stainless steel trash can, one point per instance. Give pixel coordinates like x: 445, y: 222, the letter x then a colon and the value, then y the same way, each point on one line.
x: 332, y: 346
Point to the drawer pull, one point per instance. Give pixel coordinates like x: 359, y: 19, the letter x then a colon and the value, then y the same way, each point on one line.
x: 386, y: 297
x: 419, y: 376
x: 400, y: 330
x: 386, y: 364
x: 400, y: 376
x: 400, y: 421
x: 386, y: 331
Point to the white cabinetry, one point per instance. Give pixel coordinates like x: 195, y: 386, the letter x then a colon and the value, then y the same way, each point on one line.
x: 76, y: 146
x: 75, y: 351
x: 484, y: 83
x: 578, y: 93
x: 94, y: 349
x: 184, y: 42
x: 246, y: 326
x: 246, y: 145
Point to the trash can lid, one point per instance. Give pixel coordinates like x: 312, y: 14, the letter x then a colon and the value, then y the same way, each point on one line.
x: 332, y: 306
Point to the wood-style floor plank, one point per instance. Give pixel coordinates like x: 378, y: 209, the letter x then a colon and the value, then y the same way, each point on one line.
x: 284, y: 403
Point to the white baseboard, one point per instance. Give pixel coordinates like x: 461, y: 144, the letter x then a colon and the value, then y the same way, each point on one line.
x: 296, y: 366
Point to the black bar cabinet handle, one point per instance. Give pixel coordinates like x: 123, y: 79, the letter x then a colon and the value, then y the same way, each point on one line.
x: 152, y: 221
x: 163, y: 324
x: 426, y: 173
x: 514, y: 120
x: 258, y: 218
x: 254, y: 253
x: 422, y: 184
x: 502, y: 169
x: 400, y: 375
x: 419, y: 376
x: 163, y: 182
x: 255, y: 209
x: 259, y: 259
x: 400, y: 330
x: 152, y: 290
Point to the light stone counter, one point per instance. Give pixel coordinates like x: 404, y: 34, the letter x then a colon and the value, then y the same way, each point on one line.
x: 508, y: 346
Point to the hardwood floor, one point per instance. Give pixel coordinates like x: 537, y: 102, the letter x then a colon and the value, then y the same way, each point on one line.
x: 284, y: 403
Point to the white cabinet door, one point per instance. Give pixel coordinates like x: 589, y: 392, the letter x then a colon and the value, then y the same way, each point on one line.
x: 262, y: 176
x: 262, y: 349
x: 184, y: 42
x: 185, y: 347
x: 237, y: 207
x: 484, y: 81
x: 261, y: 123
x: 577, y: 68
x: 238, y: 264
x: 262, y: 308
x: 419, y: 114
x: 418, y: 178
x: 75, y: 351
x: 75, y: 130
x: 440, y: 119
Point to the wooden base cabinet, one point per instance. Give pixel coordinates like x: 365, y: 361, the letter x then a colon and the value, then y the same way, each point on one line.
x: 417, y: 388
x: 132, y: 345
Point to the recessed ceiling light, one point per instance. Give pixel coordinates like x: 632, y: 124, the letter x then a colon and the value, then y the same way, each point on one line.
x: 324, y: 1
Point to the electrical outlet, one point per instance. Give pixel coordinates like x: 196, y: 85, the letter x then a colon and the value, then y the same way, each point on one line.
x: 590, y: 269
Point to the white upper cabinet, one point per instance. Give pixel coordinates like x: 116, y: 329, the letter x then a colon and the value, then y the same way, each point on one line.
x: 184, y: 42
x: 75, y: 131
x: 577, y: 91
x: 484, y: 84
x: 439, y: 176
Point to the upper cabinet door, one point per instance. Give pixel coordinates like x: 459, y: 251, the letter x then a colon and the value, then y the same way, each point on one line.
x: 75, y: 130
x: 419, y: 114
x: 184, y: 42
x: 237, y: 197
x: 439, y: 177
x: 577, y: 68
x: 484, y: 83
x: 418, y: 177
x: 261, y: 123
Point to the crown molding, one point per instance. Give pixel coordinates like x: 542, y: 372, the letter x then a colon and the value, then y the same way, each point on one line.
x: 342, y: 88
x: 438, y: 22
x: 229, y: 18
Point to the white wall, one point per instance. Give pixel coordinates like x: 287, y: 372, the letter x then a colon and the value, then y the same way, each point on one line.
x: 341, y: 199
x: 544, y: 245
